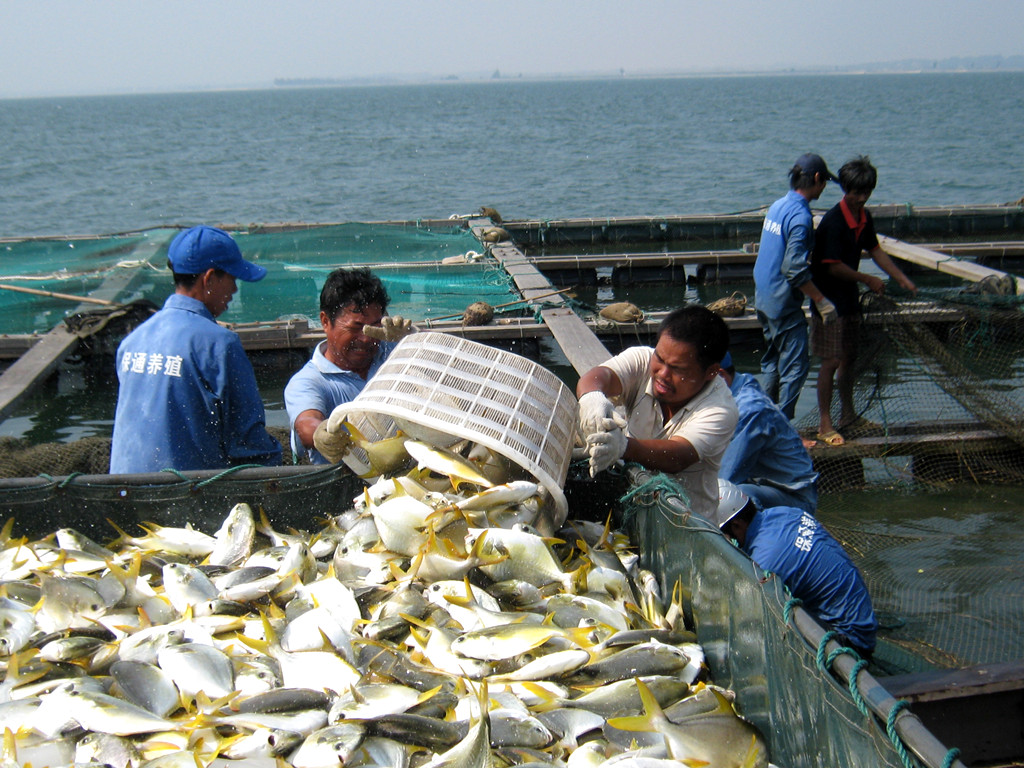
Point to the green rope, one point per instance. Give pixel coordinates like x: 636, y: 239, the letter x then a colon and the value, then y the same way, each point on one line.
x: 858, y: 699
x: 890, y: 728
x: 175, y: 472
x: 48, y: 478
x: 840, y: 651
x: 658, y: 484
x: 68, y: 479
x: 820, y: 656
x: 950, y: 758
x: 227, y: 472
x: 787, y: 609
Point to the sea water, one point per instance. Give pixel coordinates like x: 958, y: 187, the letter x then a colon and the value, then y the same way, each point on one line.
x: 530, y: 149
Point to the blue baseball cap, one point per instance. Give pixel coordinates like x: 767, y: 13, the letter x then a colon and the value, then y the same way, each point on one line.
x: 198, y: 249
x: 812, y: 164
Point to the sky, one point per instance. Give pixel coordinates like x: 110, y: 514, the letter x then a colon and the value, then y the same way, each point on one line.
x: 79, y: 47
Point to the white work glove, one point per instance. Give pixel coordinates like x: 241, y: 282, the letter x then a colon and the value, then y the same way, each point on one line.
x: 605, y: 449
x: 332, y: 439
x: 390, y: 329
x: 598, y: 414
x: 827, y: 310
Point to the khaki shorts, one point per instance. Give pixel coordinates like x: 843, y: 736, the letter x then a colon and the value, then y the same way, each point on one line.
x: 837, y: 339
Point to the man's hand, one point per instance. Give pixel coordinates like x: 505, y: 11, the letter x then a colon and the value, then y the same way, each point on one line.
x: 605, y: 449
x: 332, y: 440
x: 827, y: 310
x: 875, y: 284
x: 390, y: 329
x: 597, y: 414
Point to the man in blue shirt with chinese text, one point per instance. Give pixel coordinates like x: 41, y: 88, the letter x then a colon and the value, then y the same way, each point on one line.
x: 815, y: 568
x: 766, y: 457
x: 187, y: 396
x: 782, y: 280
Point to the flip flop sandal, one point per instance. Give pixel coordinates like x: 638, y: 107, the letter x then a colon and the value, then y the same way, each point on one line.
x: 833, y: 438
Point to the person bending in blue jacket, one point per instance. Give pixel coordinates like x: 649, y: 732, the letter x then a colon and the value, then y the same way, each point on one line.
x: 815, y: 568
x: 766, y: 457
x: 187, y: 396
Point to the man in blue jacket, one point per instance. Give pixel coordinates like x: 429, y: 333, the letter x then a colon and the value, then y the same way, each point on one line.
x: 782, y: 280
x: 815, y: 568
x: 766, y: 457
x: 187, y: 396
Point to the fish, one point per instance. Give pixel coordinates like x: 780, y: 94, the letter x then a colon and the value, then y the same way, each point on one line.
x: 16, y: 626
x: 503, y: 641
x: 175, y: 541
x: 408, y: 637
x: 382, y: 456
x: 146, y: 685
x: 529, y: 558
x: 196, y: 667
x: 107, y: 749
x: 474, y: 751
x: 719, y: 737
x: 330, y: 746
x: 446, y: 462
x: 100, y: 712
x: 235, y: 537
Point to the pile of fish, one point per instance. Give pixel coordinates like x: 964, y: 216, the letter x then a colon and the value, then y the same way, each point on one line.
x: 428, y: 625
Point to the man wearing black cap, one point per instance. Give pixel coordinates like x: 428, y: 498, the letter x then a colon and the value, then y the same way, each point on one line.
x: 782, y: 280
x: 187, y: 396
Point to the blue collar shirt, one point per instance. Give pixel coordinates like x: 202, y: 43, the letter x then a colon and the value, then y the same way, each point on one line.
x: 320, y: 385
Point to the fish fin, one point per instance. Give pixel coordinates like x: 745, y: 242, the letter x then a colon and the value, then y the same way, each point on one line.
x: 414, y: 621
x: 427, y: 695
x: 578, y: 579
x: 10, y: 750
x: 632, y: 723
x: 752, y: 758
x: 5, y: 532
x: 263, y: 646
x: 357, y: 437
x: 651, y: 706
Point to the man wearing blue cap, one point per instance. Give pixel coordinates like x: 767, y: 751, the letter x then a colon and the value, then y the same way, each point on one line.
x: 187, y: 396
x: 782, y: 280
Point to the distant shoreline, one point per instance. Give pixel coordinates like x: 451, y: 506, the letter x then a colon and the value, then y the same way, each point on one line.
x: 975, y: 65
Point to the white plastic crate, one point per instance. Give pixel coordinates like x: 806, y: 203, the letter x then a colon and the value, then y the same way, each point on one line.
x: 441, y: 389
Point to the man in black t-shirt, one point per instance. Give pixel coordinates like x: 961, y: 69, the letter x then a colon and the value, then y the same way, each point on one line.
x: 842, y: 235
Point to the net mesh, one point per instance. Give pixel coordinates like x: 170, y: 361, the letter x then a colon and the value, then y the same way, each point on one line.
x: 415, y: 264
x: 938, y: 385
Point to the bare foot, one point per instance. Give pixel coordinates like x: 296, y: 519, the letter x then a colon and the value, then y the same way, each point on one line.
x: 808, y: 443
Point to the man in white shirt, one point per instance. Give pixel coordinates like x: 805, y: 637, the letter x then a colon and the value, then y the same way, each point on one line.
x: 675, y: 414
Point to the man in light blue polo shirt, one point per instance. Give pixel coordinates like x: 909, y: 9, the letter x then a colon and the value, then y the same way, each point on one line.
x: 187, y: 396
x: 782, y: 280
x: 352, y: 302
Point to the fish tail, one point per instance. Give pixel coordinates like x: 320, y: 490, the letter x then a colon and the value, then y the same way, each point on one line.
x: 5, y: 532
x: 122, y: 535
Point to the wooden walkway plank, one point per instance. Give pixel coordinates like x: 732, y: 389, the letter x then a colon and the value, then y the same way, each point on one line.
x: 581, y: 347
x: 34, y: 367
x: 951, y: 265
